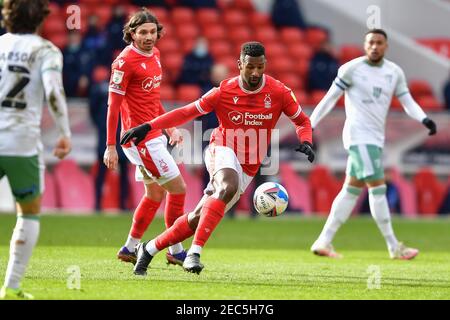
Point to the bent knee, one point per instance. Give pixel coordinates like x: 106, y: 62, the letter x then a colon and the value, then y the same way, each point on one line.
x: 227, y: 192
x: 30, y: 207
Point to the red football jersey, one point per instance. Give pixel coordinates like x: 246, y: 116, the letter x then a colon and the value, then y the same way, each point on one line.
x: 137, y: 76
x: 246, y: 118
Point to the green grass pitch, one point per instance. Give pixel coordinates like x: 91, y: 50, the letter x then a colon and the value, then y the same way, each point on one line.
x: 263, y: 258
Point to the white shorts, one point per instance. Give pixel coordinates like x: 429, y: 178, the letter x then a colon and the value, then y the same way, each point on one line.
x: 153, y: 163
x: 220, y: 157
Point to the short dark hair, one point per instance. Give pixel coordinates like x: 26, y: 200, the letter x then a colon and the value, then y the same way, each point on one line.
x: 378, y: 31
x: 137, y: 19
x: 24, y: 16
x: 253, y: 49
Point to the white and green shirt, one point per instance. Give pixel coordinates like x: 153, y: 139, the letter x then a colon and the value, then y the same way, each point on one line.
x: 368, y: 93
x: 30, y: 67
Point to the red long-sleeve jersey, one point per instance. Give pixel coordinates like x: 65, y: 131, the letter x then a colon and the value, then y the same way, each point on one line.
x: 246, y: 118
x: 134, y: 91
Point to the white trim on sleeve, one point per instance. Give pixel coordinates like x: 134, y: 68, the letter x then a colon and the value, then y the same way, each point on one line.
x: 299, y: 110
x: 199, y: 108
x: 117, y: 91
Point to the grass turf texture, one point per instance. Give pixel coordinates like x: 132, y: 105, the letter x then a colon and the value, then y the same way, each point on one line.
x: 264, y: 258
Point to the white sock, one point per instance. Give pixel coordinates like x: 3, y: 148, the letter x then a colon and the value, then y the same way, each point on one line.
x: 23, y: 241
x: 380, y: 212
x: 176, y: 248
x: 195, y: 249
x: 341, y: 209
x: 131, y: 243
x: 151, y: 248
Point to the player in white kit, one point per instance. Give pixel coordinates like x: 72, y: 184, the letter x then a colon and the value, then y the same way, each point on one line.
x: 369, y: 82
x: 30, y: 67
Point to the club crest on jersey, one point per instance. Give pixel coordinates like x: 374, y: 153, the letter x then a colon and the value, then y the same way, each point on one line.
x: 236, y: 117
x: 235, y: 99
x: 267, y: 101
x: 117, y: 76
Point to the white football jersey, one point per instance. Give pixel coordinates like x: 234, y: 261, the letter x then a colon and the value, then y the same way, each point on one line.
x: 368, y: 94
x: 24, y: 58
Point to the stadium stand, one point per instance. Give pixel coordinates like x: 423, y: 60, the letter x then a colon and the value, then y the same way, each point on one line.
x: 75, y: 188
x: 226, y: 27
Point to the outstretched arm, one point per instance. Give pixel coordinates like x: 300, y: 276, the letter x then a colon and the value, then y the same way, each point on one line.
x: 326, y: 104
x: 177, y: 116
x: 170, y: 119
x: 413, y: 110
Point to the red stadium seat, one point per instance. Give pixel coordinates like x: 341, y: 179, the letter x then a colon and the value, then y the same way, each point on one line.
x: 259, y: 19
x: 207, y: 16
x: 183, y: 16
x: 220, y: 49
x: 100, y: 73
x: 341, y: 102
x: 103, y: 13
x: 110, y: 188
x: 161, y: 14
x: 171, y: 64
x: 315, y: 37
x: 215, y: 32
x: 301, y: 67
x: 420, y: 88
x: 429, y: 191
x: 167, y: 93
x: 292, y: 35
x: 231, y: 64
x: 239, y: 35
x: 234, y: 17
x: 302, y: 97
x: 187, y: 45
x: 52, y: 27
x: 316, y: 96
x: 74, y: 186
x: 243, y: 5
x: 58, y: 39
x: 188, y: 93
x: 395, y: 104
x: 280, y: 65
x: 274, y: 50
x: 266, y: 34
x: 187, y: 31
x: 324, y: 188
x: 297, y: 188
x: 408, y: 197
x: 131, y: 9
x: 168, y: 45
x: 430, y: 103
x: 300, y: 50
x: 49, y: 198
x: 349, y: 52
x: 291, y: 80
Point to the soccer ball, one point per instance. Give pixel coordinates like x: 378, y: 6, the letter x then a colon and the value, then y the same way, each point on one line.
x: 270, y: 199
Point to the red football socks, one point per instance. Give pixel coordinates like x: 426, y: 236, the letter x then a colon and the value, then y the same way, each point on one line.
x: 212, y: 212
x: 143, y: 216
x: 179, y: 231
x: 174, y: 208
